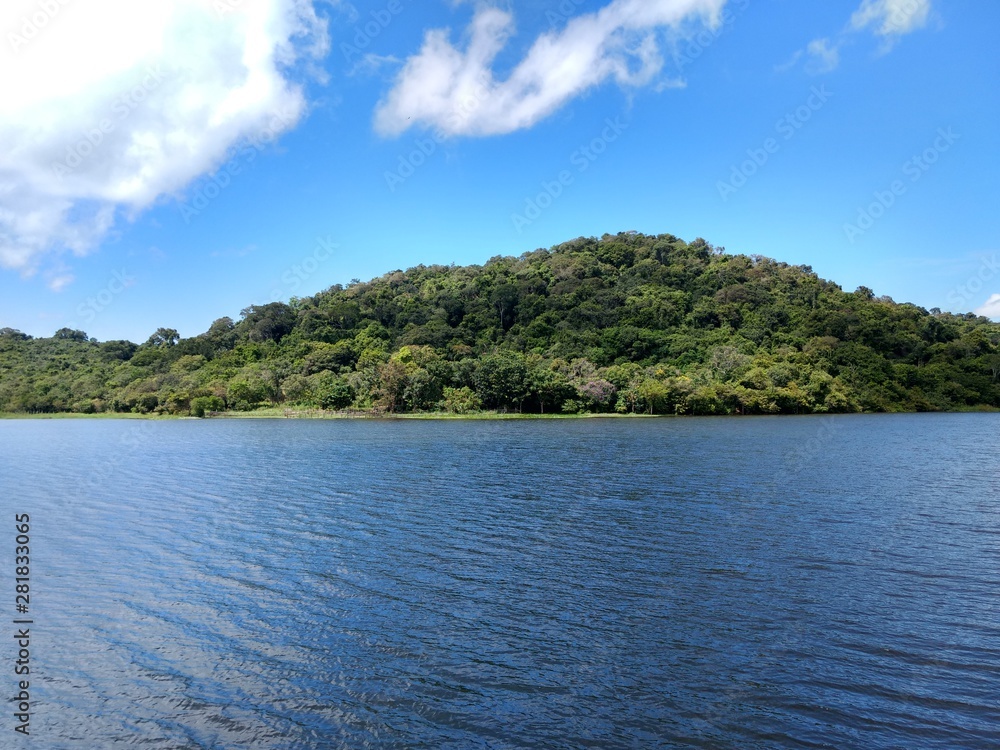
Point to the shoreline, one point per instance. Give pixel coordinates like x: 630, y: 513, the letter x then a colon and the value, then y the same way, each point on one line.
x: 276, y: 414
x: 484, y: 416
x: 444, y: 416
x: 12, y: 416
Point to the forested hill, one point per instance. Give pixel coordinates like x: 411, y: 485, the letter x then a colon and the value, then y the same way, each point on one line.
x: 624, y: 323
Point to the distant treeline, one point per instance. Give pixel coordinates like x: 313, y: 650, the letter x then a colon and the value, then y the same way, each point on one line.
x: 624, y: 323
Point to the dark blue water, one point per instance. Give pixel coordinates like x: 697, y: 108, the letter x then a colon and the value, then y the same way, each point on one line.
x: 711, y: 583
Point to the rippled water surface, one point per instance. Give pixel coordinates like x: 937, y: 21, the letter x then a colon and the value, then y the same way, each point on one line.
x: 714, y: 583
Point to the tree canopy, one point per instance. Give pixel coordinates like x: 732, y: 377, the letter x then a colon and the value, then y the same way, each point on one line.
x: 621, y: 323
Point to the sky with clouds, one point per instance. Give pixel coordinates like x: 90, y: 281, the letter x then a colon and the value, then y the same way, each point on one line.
x: 168, y: 163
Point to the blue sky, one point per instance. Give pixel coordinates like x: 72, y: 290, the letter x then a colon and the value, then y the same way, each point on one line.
x: 167, y: 167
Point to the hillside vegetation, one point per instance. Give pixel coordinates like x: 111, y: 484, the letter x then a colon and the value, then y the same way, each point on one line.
x: 624, y: 323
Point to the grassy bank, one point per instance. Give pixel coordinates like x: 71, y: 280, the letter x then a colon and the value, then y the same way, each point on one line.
x: 282, y: 413
x: 279, y: 413
x: 103, y: 415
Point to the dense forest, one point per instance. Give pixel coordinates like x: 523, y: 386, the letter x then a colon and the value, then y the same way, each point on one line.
x: 627, y: 323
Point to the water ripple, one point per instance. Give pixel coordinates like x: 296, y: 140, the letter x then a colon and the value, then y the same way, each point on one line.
x: 665, y: 583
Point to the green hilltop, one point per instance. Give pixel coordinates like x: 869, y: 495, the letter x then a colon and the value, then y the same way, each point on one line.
x: 626, y: 323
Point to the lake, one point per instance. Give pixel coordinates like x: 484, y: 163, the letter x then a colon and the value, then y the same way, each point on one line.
x: 786, y: 582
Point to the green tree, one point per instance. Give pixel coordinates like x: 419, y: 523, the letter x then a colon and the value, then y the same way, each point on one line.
x: 549, y: 387
x: 68, y: 334
x: 335, y: 393
x: 501, y: 379
x: 164, y: 337
x: 270, y: 322
x: 461, y: 400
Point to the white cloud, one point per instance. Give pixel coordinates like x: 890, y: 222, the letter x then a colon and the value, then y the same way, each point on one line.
x: 60, y: 282
x: 891, y: 17
x: 104, y: 107
x: 888, y: 19
x: 371, y: 63
x: 456, y: 91
x: 823, y: 55
x: 991, y: 309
